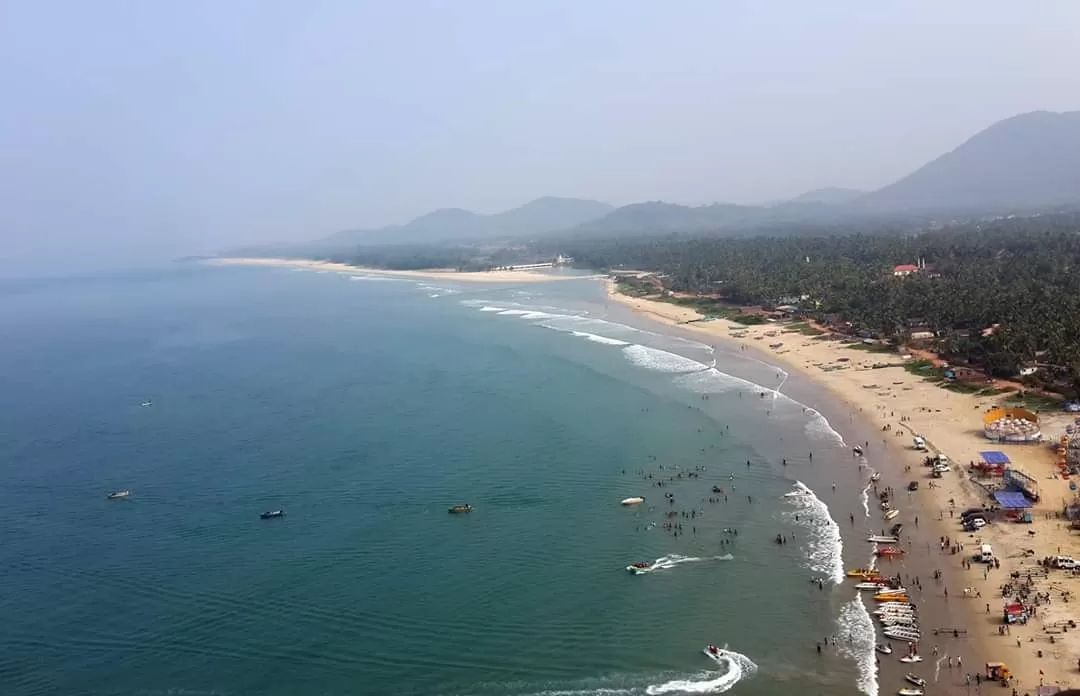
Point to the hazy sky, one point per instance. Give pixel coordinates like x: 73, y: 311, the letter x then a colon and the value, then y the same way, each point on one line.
x: 130, y: 130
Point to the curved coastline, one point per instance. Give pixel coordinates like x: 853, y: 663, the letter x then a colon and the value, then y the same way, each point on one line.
x: 950, y: 422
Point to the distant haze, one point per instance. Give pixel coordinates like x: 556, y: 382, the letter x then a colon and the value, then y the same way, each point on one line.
x: 137, y: 131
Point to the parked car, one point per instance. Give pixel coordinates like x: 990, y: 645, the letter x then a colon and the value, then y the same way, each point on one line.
x: 913, y: 486
x: 974, y: 525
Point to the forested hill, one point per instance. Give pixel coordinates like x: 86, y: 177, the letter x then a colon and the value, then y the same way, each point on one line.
x: 1016, y: 281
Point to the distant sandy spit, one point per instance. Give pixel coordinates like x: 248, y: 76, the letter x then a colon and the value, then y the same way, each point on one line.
x: 431, y: 274
x: 434, y: 273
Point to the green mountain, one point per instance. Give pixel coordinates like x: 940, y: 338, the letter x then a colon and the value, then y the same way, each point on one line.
x: 540, y: 216
x: 1024, y: 162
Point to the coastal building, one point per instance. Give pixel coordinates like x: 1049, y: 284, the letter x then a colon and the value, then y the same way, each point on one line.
x: 905, y: 269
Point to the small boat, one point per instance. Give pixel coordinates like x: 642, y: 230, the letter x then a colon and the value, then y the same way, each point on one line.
x: 891, y: 597
x: 633, y: 501
x: 458, y: 509
x: 862, y: 573
x: 119, y: 495
x: 714, y: 653
x: 906, y: 636
x: 911, y: 659
x: 871, y: 586
x: 640, y: 567
x: 890, y: 514
x: 883, y: 539
x: 889, y: 551
x: 883, y: 649
x: 271, y: 514
x: 901, y: 622
x: 915, y: 679
x: 910, y: 692
x: 147, y: 404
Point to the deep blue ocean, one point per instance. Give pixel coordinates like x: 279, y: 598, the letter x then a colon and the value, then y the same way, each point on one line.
x: 364, y: 407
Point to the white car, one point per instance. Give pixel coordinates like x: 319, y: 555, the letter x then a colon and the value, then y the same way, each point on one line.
x: 977, y: 523
x: 1065, y: 563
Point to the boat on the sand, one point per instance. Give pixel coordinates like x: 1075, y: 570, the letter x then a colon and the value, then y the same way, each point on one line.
x: 871, y: 586
x: 889, y: 551
x: 458, y: 509
x: 910, y: 692
x: 633, y: 501
x: 272, y: 514
x: 915, y: 679
x: 891, y: 514
x: 891, y: 598
x: 883, y: 539
x: 119, y: 495
x: 883, y: 649
x: 908, y: 635
x: 862, y: 572
x: 640, y: 568
x: 911, y: 659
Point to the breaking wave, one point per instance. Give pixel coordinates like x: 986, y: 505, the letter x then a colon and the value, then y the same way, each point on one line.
x: 855, y: 622
x: 824, y: 548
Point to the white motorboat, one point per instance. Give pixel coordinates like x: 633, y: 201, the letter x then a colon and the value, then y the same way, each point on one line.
x: 641, y: 567
x: 898, y: 613
x: 910, y: 623
x: 911, y: 659
x: 905, y: 634
x: 883, y: 649
x: 915, y: 679
x: 900, y: 591
x: 891, y: 514
x: 633, y: 501
x: 119, y: 495
x: 147, y: 404
x: 883, y: 539
x: 910, y: 692
x: 871, y: 586
x: 714, y: 653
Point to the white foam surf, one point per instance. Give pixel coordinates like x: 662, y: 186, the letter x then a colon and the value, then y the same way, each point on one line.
x: 824, y: 548
x: 735, y: 666
x: 596, y: 338
x: 857, y: 640
x: 661, y: 360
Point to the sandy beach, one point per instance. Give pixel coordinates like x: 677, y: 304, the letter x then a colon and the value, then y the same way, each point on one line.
x: 506, y: 276
x: 968, y: 597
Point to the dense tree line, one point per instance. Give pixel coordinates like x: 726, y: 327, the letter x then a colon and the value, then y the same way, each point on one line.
x: 1001, y: 294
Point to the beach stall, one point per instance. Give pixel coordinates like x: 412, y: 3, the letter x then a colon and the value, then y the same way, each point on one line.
x: 1015, y: 505
x: 1016, y: 480
x: 1014, y: 425
x: 1015, y: 613
x: 992, y: 464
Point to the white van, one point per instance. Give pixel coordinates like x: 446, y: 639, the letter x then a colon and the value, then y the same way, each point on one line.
x: 986, y: 554
x: 920, y: 443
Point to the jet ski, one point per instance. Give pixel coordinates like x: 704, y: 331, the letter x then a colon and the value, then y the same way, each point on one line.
x: 883, y: 649
x: 640, y: 567
x: 271, y: 514
x: 714, y: 652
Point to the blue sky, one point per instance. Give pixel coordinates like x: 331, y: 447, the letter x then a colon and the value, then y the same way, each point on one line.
x: 140, y: 130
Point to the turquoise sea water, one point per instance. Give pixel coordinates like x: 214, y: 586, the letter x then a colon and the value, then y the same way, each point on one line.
x: 364, y: 407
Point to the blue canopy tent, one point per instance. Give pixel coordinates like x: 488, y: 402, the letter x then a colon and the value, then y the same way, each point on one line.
x: 995, y: 458
x: 1012, y: 500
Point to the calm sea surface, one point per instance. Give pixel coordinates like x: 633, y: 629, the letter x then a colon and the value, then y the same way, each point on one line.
x: 363, y: 408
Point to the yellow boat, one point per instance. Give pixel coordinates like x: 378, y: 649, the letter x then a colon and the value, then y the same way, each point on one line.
x: 891, y: 597
x: 862, y: 573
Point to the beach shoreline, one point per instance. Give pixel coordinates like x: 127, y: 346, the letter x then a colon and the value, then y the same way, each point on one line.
x: 444, y: 274
x: 899, y: 405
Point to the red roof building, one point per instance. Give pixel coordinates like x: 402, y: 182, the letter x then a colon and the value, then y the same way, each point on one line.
x: 905, y: 269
